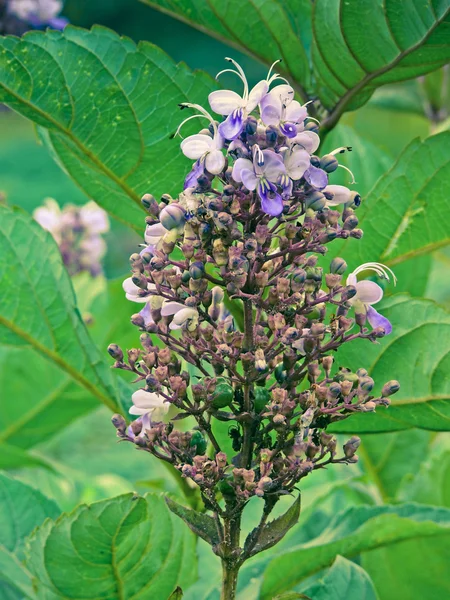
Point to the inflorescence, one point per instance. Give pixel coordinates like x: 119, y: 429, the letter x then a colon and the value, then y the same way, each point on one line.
x: 239, y: 323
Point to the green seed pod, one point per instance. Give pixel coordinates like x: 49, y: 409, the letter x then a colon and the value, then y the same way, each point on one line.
x: 223, y: 394
x: 262, y: 397
x: 280, y: 374
x: 225, y: 488
x: 198, y: 440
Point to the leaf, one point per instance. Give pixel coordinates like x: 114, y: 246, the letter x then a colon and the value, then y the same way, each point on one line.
x: 344, y: 581
x: 390, y: 459
x: 22, y: 508
x: 402, y: 215
x: 177, y: 594
x: 274, y: 531
x: 107, y: 109
x: 356, y: 530
x: 417, y: 353
x: 279, y: 29
x: 12, y: 457
x: 15, y: 580
x: 38, y: 307
x: 359, y: 46
x: 125, y: 547
x: 201, y: 524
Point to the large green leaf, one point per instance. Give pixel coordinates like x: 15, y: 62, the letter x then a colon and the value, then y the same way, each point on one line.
x: 344, y: 581
x: 38, y: 310
x: 402, y: 215
x: 357, y: 530
x: 107, y: 108
x: 15, y: 580
x: 125, y: 547
x: 267, y: 30
x: 22, y: 508
x: 359, y: 46
x: 417, y: 353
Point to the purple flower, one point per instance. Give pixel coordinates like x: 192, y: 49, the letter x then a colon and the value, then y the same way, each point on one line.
x: 237, y: 108
x: 261, y: 175
x: 278, y: 108
x: 316, y: 177
x: 369, y: 293
x: 39, y: 13
x: 296, y: 161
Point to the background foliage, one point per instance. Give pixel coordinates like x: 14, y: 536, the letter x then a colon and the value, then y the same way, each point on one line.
x: 377, y: 530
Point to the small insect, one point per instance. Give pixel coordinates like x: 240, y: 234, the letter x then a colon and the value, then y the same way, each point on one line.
x: 235, y: 434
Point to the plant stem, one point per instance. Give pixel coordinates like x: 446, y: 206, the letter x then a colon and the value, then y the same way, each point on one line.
x: 229, y: 581
x: 247, y: 445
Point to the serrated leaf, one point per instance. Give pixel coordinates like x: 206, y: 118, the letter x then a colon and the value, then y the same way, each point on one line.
x: 126, y: 547
x: 416, y: 353
x: 200, y: 523
x: 274, y: 531
x: 38, y: 308
x: 22, y: 508
x: 356, y: 530
x: 359, y: 46
x: 279, y: 29
x: 343, y: 581
x: 107, y: 109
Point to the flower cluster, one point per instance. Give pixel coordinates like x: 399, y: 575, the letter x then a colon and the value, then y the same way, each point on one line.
x: 78, y: 232
x: 18, y: 16
x: 232, y: 280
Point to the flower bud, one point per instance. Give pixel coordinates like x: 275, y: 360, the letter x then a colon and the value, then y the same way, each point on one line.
x: 197, y: 270
x: 119, y: 423
x: 351, y: 446
x: 389, y: 388
x: 315, y: 201
x: 338, y: 266
x: 172, y: 216
x: 221, y: 460
x: 329, y: 163
x: 351, y: 222
x: 149, y: 202
x: 115, y: 351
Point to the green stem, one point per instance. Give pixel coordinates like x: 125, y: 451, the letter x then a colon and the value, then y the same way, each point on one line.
x: 229, y: 581
x: 247, y: 445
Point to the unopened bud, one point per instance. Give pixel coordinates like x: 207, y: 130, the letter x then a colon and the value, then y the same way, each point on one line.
x: 172, y: 216
x: 389, y: 388
x: 338, y: 266
x: 115, y: 351
x: 351, y: 446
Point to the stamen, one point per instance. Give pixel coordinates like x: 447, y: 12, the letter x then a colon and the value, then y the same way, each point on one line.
x: 347, y: 169
x: 341, y: 150
x: 204, y: 113
x: 381, y: 270
x: 270, y: 70
x: 241, y: 74
x: 260, y: 156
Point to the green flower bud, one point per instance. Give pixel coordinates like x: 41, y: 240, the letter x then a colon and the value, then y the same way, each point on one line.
x: 199, y: 441
x: 223, y: 394
x: 262, y: 397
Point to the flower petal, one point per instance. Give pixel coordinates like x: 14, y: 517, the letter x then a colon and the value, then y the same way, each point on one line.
x: 377, y: 320
x: 341, y: 194
x: 224, y: 102
x: 196, y: 146
x: 153, y: 233
x: 134, y: 410
x: 273, y: 165
x: 233, y: 125
x: 296, y: 162
x: 270, y: 114
x: 368, y: 292
x: 171, y: 308
x: 146, y: 314
x: 249, y: 179
x: 215, y: 162
x: 256, y: 95
x: 271, y: 201
x: 295, y: 112
x: 193, y: 175
x: 240, y: 165
x: 316, y: 177
x: 309, y: 140
x: 147, y: 400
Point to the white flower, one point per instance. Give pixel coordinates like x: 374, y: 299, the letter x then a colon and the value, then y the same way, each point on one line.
x: 338, y: 194
x: 309, y: 140
x: 184, y: 317
x: 202, y: 147
x: 369, y: 293
x: 279, y: 108
x: 135, y: 293
x: 237, y: 108
x: 150, y: 406
x: 44, y: 10
x: 49, y: 216
x: 154, y: 234
x: 94, y: 218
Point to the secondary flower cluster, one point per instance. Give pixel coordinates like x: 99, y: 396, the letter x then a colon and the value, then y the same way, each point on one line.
x: 18, y: 16
x: 78, y: 232
x: 239, y: 316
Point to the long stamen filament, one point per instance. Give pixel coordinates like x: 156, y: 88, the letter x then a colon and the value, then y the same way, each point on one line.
x: 204, y: 113
x: 381, y: 270
x: 242, y: 75
x: 347, y: 169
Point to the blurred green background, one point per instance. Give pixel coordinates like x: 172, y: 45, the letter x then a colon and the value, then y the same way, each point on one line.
x: 86, y: 464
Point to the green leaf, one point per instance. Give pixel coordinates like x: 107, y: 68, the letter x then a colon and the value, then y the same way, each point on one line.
x: 12, y: 457
x: 390, y: 459
x: 201, y: 524
x: 15, y: 580
x: 22, y: 508
x: 344, y: 581
x: 357, y: 530
x: 402, y: 215
x: 107, y: 109
x: 38, y: 307
x: 274, y: 531
x: 266, y: 30
x: 416, y: 353
x: 125, y: 547
x: 359, y: 46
